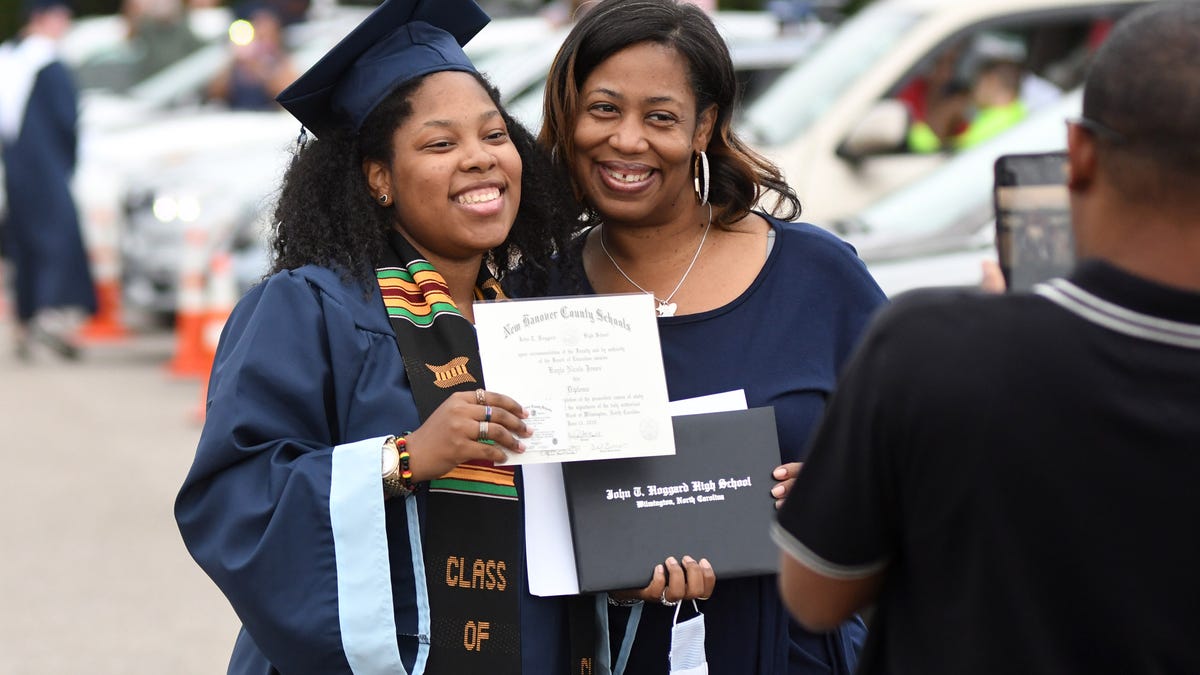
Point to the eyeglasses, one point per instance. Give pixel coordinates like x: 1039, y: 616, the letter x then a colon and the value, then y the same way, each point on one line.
x: 1099, y: 129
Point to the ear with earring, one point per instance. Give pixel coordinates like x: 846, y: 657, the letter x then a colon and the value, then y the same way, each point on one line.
x: 700, y: 176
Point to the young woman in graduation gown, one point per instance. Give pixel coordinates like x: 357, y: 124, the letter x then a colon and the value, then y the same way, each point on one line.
x: 344, y: 495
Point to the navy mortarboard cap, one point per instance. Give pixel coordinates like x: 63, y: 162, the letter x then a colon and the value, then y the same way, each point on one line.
x: 398, y: 42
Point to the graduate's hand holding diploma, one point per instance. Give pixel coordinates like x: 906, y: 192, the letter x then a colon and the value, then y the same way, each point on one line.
x: 674, y: 581
x: 467, y: 426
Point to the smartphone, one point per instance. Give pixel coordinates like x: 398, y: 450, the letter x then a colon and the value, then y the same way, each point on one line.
x: 1034, y: 241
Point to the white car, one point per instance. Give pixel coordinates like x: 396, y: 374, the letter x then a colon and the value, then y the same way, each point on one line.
x: 833, y: 122
x: 153, y: 176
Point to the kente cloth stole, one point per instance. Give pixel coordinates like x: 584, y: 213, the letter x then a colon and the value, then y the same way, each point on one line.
x: 473, y: 519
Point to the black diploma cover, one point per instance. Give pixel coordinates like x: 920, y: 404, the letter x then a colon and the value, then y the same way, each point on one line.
x: 711, y: 499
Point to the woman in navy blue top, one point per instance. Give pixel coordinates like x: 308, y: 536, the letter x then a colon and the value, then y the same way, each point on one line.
x: 638, y: 112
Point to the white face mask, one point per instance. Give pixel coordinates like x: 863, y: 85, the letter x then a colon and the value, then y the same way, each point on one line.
x: 687, y: 644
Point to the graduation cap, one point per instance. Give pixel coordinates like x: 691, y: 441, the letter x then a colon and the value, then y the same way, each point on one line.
x: 400, y: 41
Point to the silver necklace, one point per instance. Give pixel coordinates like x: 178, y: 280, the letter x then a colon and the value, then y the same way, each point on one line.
x: 665, y: 307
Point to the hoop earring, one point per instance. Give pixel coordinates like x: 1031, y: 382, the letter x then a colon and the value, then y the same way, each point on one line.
x: 383, y: 199
x: 700, y: 165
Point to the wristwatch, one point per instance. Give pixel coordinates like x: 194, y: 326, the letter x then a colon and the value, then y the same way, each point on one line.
x: 393, y: 484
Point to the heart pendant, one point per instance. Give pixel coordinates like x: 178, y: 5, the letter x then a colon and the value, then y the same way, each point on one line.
x: 665, y: 309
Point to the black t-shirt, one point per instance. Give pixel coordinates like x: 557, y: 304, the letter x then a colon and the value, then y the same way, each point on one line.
x: 1026, y: 468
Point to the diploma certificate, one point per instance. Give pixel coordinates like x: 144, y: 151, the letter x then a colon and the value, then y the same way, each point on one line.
x: 587, y: 368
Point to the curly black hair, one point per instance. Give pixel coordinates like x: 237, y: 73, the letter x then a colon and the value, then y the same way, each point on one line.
x: 326, y: 214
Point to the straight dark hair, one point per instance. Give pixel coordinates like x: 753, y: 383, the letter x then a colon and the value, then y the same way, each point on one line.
x: 739, y: 177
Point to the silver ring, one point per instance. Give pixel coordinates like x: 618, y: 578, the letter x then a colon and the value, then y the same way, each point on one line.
x: 483, y: 431
x: 487, y: 413
x: 663, y: 599
x: 479, y: 394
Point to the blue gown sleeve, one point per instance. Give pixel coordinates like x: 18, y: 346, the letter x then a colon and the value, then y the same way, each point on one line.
x: 281, y: 509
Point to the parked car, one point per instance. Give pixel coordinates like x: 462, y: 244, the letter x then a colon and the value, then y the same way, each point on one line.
x: 206, y: 168
x: 103, y: 58
x: 177, y: 217
x: 834, y: 122
x: 164, y: 122
x: 937, y: 230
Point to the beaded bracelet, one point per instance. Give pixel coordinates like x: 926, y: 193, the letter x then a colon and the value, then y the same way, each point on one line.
x: 398, y: 482
x: 405, y: 472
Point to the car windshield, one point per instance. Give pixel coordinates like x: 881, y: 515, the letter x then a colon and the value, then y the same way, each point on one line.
x: 959, y: 192
x: 802, y: 94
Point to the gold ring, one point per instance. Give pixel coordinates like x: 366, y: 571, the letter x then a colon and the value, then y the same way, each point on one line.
x: 487, y: 413
x: 483, y: 431
x: 479, y: 393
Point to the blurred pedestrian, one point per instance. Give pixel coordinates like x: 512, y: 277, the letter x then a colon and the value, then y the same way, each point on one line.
x: 639, y: 108
x: 1000, y: 93
x: 43, y: 241
x: 1009, y: 479
x: 259, y: 65
x: 996, y: 103
x: 343, y: 495
x: 160, y: 34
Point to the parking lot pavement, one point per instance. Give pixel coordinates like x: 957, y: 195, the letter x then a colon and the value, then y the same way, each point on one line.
x: 94, y: 576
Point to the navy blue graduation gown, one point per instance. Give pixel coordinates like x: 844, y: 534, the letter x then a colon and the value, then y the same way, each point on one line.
x: 42, y: 236
x: 283, y: 506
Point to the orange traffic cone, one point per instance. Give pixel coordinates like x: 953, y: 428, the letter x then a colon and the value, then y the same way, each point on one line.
x: 190, y: 359
x: 106, y: 324
x: 220, y: 297
x: 100, y: 234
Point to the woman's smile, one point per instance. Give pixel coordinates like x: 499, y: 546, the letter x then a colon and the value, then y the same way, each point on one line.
x: 627, y: 178
x: 483, y: 201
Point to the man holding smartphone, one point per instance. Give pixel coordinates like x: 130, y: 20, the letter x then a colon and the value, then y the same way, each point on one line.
x: 1010, y: 480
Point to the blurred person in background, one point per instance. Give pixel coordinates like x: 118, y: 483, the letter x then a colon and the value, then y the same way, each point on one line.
x: 996, y: 103
x: 259, y: 65
x: 999, y: 92
x: 159, y: 32
x: 638, y: 110
x: 51, y: 280
x: 933, y: 98
x: 1008, y: 474
x: 346, y: 467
